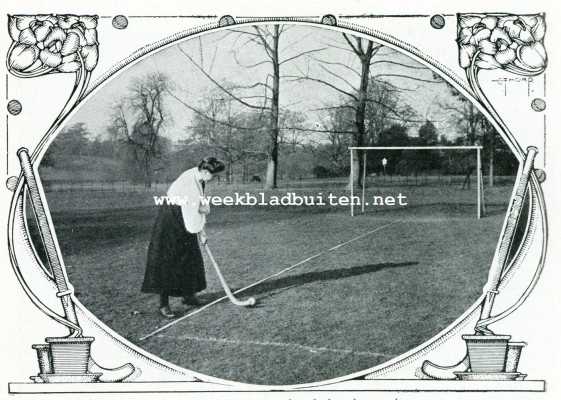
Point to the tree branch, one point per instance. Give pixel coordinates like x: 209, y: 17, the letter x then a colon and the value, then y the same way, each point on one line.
x: 206, y: 116
x: 299, y: 78
x: 398, y: 63
x: 266, y: 45
x: 337, y: 64
x: 247, y: 87
x: 338, y: 77
x: 249, y: 65
x: 297, y: 128
x: 243, y: 32
x: 299, y: 40
x: 397, y: 88
x: 355, y: 50
x: 218, y: 84
x: 327, y: 108
x: 301, y: 54
x: 407, y: 77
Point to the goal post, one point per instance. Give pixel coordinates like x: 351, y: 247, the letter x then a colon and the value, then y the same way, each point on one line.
x: 356, y: 150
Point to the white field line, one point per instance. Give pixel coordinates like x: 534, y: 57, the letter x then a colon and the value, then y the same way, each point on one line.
x: 310, y: 349
x: 175, y: 321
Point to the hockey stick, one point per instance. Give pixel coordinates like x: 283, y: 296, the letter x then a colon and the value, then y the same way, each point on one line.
x: 496, y: 271
x: 58, y: 270
x: 505, y: 245
x: 244, y: 303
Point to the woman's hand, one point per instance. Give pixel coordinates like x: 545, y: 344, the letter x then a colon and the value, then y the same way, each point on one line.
x: 202, y: 237
x: 204, y: 209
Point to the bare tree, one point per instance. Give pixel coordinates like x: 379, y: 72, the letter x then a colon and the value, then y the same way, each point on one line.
x: 339, y: 134
x: 223, y: 129
x: 267, y: 99
x: 476, y: 129
x: 138, y: 120
x: 354, y: 85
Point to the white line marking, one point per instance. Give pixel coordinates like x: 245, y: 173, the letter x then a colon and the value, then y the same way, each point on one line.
x: 175, y: 321
x: 310, y: 349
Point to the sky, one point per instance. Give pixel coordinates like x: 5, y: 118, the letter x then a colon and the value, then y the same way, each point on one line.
x: 225, y: 56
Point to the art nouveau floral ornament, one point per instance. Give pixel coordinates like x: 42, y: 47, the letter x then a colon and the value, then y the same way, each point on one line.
x: 513, y: 43
x: 41, y: 45
x: 49, y: 43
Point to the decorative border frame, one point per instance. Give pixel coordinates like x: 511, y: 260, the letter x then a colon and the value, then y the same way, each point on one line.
x: 538, y: 214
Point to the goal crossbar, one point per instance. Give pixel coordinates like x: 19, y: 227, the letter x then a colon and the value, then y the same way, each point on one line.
x: 474, y: 147
x: 416, y: 148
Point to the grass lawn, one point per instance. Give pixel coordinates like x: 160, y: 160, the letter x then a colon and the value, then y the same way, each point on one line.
x: 347, y: 309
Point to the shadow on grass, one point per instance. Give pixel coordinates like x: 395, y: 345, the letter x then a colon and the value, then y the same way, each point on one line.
x: 273, y: 287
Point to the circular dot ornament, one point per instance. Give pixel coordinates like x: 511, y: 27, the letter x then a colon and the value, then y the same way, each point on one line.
x: 226, y: 20
x: 11, y: 183
x: 14, y: 107
x: 120, y: 22
x: 538, y: 105
x: 437, y: 21
x: 329, y: 19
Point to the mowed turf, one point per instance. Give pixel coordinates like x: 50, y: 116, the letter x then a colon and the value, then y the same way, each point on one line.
x: 345, y: 310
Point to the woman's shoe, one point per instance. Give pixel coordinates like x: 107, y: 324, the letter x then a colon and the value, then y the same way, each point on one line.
x: 191, y: 300
x: 166, y: 312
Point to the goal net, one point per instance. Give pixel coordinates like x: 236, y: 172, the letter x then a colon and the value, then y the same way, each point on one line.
x: 435, y: 174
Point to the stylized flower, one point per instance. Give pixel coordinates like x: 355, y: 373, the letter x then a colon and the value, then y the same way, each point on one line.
x: 502, y: 41
x: 22, y: 56
x: 51, y: 43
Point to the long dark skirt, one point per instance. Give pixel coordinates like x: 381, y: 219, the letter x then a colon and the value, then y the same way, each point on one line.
x: 174, y: 264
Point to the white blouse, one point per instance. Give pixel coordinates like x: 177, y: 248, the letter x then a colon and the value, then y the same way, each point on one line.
x: 189, y: 191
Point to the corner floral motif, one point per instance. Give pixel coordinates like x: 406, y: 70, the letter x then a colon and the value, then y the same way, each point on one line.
x: 41, y: 45
x: 50, y: 43
x: 515, y: 44
x: 45, y: 44
x: 502, y: 41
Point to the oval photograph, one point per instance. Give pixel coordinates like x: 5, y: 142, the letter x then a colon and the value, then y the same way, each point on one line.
x: 277, y: 204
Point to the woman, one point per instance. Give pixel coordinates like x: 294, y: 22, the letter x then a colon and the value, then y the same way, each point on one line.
x: 174, y: 264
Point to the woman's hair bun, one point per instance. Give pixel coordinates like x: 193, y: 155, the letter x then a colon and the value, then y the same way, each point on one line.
x: 212, y: 165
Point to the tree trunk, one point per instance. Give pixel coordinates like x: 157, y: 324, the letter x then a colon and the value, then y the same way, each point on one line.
x: 360, y: 113
x: 491, y: 158
x: 356, y: 172
x: 272, y: 159
x: 271, y: 170
x: 147, y: 171
x: 229, y: 173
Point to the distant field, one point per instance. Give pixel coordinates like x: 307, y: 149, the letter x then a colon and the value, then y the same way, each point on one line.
x: 82, y: 168
x: 410, y: 273
x: 57, y: 180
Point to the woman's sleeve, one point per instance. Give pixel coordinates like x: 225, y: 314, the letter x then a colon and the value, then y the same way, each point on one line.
x: 193, y: 220
x: 187, y: 189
